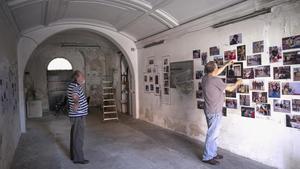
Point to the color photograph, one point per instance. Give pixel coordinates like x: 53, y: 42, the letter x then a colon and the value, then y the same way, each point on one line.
x: 204, y: 58
x: 248, y: 112
x: 248, y: 73
x: 243, y: 88
x: 263, y: 110
x: 296, y: 73
x: 293, y: 121
x: 291, y: 88
x: 231, y: 103
x: 196, y: 54
x: 245, y: 100
x: 275, y: 54
x: 282, y: 72
x: 283, y: 106
x: 230, y: 94
x: 262, y: 71
x: 274, y: 89
x: 241, y: 52
x: 254, y: 60
x: 235, y: 39
x: 291, y: 58
x: 259, y: 97
x: 296, y: 105
x: 199, y: 74
x: 230, y: 55
x: 291, y: 42
x: 214, y: 51
x: 258, y: 47
x: 219, y: 60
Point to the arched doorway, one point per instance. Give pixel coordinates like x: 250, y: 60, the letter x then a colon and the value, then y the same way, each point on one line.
x: 124, y: 57
x: 59, y: 73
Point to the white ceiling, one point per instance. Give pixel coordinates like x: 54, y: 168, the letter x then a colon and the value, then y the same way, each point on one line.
x: 135, y: 18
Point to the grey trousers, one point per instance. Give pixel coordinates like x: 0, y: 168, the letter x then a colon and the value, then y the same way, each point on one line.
x: 77, y: 138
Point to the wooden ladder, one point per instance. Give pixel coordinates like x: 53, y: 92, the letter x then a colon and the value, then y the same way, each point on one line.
x: 109, y: 101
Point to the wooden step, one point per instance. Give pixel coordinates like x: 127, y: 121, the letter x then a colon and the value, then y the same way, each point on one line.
x: 110, y: 112
x: 114, y: 118
x: 109, y: 106
x: 109, y: 100
x: 108, y: 93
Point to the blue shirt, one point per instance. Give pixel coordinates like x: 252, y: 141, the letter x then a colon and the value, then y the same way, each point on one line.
x: 82, y: 110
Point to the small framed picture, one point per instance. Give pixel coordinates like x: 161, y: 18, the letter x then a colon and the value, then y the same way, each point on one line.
x: 235, y: 70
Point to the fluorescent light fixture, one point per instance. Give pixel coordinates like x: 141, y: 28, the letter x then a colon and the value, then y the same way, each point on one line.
x: 242, y: 18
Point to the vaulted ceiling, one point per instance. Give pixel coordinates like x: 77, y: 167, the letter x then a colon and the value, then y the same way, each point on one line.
x: 136, y: 19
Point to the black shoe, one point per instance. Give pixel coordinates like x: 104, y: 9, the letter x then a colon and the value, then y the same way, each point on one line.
x: 81, y: 162
x: 211, y: 161
x: 218, y: 157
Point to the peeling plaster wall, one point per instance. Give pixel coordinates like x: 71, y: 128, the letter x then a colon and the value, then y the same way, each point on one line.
x: 94, y: 62
x: 9, y: 117
x: 267, y: 141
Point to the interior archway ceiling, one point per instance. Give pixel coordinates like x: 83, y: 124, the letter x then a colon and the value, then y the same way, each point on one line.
x: 136, y: 19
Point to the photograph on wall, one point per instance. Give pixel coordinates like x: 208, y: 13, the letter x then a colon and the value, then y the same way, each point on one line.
x: 248, y: 112
x: 200, y: 104
x: 166, y: 61
x: 259, y: 97
x: 275, y: 54
x: 283, y: 106
x: 200, y: 86
x: 199, y: 74
x: 274, y: 89
x: 182, y: 76
x: 214, y: 51
x: 166, y: 69
x: 235, y: 70
x: 258, y: 46
x: 166, y: 76
x: 199, y: 94
x: 282, y: 72
x: 156, y: 80
x: 151, y: 78
x: 219, y: 60
x: 241, y: 52
x: 254, y: 60
x: 243, y: 88
x: 296, y: 73
x: 291, y: 42
x: 231, y: 103
x: 147, y: 88
x: 248, y: 73
x: 263, y: 110
x: 229, y: 55
x: 245, y: 100
x: 151, y: 61
x: 157, y: 90
x: 151, y: 87
x: 291, y: 88
x: 230, y: 94
x: 296, y: 105
x: 149, y: 69
x: 235, y: 39
x: 166, y: 83
x: 204, y: 58
x: 145, y: 78
x: 224, y: 111
x: 231, y: 80
x: 196, y: 54
x: 293, y: 121
x: 166, y: 91
x: 257, y: 85
x: 291, y: 58
x: 262, y: 71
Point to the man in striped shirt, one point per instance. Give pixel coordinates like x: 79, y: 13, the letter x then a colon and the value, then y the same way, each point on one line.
x: 78, y: 109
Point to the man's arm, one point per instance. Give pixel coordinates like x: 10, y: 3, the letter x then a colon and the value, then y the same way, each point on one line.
x: 76, y: 102
x: 221, y: 69
x: 231, y: 88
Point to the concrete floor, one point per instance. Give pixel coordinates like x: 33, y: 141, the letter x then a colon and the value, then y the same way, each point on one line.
x: 127, y: 144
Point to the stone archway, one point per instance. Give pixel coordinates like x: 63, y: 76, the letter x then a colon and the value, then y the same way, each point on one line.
x: 30, y: 41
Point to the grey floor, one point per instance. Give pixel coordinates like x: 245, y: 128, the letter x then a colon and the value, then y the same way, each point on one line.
x: 126, y: 144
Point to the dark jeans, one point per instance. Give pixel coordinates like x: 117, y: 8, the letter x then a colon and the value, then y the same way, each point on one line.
x: 76, y: 138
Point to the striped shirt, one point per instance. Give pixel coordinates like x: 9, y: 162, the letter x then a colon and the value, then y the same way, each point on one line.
x: 82, y: 110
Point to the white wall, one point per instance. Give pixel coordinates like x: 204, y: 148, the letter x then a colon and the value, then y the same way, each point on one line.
x: 9, y: 117
x: 267, y: 141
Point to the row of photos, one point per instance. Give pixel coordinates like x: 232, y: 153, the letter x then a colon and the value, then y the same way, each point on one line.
x: 284, y: 80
